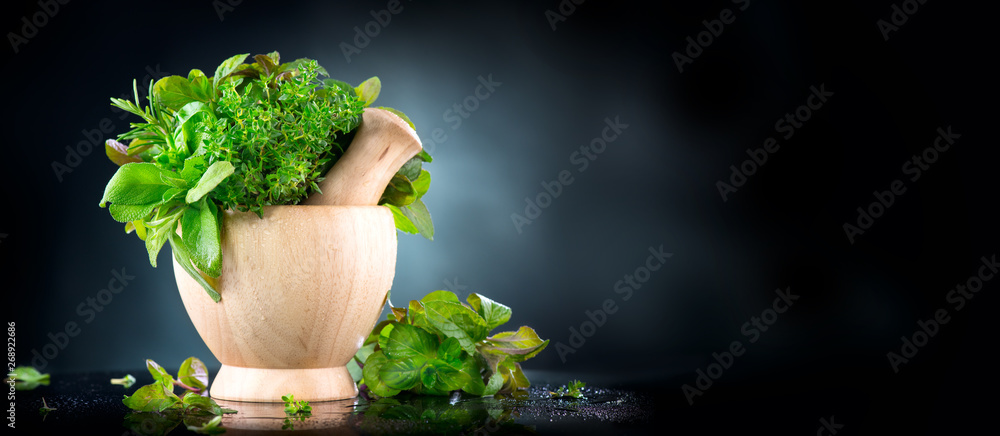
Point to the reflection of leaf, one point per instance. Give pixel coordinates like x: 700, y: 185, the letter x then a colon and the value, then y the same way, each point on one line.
x: 27, y: 378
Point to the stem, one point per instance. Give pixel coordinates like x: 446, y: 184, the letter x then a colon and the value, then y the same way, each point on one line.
x: 195, y: 390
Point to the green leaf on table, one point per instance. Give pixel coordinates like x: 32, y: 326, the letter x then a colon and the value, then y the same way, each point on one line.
x: 214, y: 175
x: 27, y: 378
x: 369, y: 90
x: 494, y: 313
x: 457, y: 321
x: 371, y: 372
x: 193, y: 373
x: 200, y: 225
x: 195, y: 403
x: 151, y: 398
x: 520, y: 345
x: 136, y: 184
x: 213, y: 426
x: 226, y: 67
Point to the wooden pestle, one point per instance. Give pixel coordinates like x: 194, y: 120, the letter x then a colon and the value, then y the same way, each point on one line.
x: 381, y: 145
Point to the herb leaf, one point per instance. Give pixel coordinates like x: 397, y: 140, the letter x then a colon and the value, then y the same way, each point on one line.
x: 214, y: 175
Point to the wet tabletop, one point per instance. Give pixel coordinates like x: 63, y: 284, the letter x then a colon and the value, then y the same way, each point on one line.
x: 87, y: 403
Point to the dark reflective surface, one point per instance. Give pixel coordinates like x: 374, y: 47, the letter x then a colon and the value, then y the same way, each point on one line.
x: 89, y: 404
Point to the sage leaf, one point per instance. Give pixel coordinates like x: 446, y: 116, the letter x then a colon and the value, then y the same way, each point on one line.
x: 200, y: 226
x: 135, y: 183
x: 214, y: 175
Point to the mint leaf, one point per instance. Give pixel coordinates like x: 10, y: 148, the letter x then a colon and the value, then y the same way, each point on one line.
x: 417, y: 213
x: 27, y: 378
x: 494, y: 313
x: 407, y: 342
x: 194, y: 373
x: 136, y: 184
x: 372, y: 378
x: 422, y: 183
x: 369, y: 90
x: 399, y: 192
x: 214, y: 175
x: 457, y: 321
x: 402, y: 222
x: 151, y: 398
x: 159, y: 374
x: 520, y: 345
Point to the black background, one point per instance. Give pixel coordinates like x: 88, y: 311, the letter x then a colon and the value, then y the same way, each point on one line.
x: 654, y: 185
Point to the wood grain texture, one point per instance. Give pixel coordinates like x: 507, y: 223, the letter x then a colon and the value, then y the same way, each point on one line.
x: 301, y: 289
x: 381, y: 145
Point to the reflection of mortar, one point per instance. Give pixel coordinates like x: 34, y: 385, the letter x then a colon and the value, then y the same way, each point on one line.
x: 302, y: 287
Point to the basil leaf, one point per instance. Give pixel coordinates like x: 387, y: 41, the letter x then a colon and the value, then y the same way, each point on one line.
x: 200, y: 226
x: 136, y: 183
x: 173, y: 92
x: 214, y: 175
x: 494, y: 313
x: 227, y: 66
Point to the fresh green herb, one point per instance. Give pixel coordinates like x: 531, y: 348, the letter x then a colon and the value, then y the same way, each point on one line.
x: 159, y: 396
x: 292, y: 407
x: 569, y: 391
x: 45, y: 409
x: 213, y: 426
x: 27, y: 378
x: 126, y: 381
x: 439, y: 344
x: 254, y: 134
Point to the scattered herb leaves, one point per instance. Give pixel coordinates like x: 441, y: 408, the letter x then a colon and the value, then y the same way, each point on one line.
x: 159, y: 396
x: 293, y: 407
x: 126, y: 381
x: 438, y: 345
x: 572, y: 390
